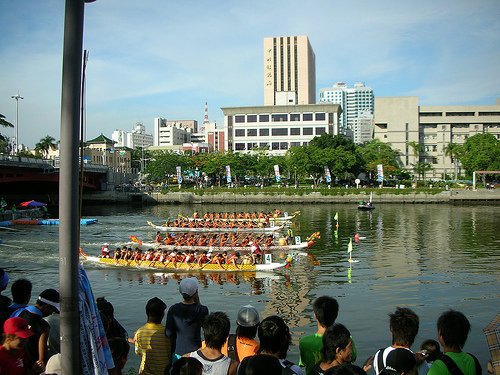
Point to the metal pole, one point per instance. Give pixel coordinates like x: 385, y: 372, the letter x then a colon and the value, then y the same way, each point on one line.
x: 69, y: 230
x: 17, y: 97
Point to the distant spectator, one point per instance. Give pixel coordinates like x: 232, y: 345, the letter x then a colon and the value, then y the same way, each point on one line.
x: 399, y: 361
x: 326, y: 310
x: 21, y: 295
x: 216, y: 327
x: 183, y: 325
x: 491, y: 331
x: 112, y: 327
x: 151, y: 344
x: 54, y: 365
x: 187, y: 366
x: 275, y: 339
x: 13, y: 356
x: 453, y: 328
x: 54, y: 339
x: 119, y: 350
x: 336, y: 351
x: 432, y: 350
x: 348, y: 369
x: 36, y: 346
x: 260, y: 364
x: 243, y: 344
x: 404, y: 324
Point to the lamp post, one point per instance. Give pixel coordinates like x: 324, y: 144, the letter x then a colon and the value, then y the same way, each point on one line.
x: 17, y: 97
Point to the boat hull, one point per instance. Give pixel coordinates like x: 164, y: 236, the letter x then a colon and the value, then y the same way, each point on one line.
x: 184, y: 267
x: 365, y: 208
x: 274, y: 248
x: 164, y: 228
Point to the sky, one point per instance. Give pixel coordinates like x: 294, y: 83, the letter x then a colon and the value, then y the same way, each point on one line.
x: 159, y: 58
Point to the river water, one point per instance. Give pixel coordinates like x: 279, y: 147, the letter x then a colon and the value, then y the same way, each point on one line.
x: 427, y: 257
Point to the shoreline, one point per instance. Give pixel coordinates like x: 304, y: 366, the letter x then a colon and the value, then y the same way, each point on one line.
x: 453, y: 197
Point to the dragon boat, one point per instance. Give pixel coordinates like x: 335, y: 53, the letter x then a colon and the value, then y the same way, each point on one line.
x: 265, y: 229
x: 281, y: 246
x: 269, y: 217
x: 184, y: 267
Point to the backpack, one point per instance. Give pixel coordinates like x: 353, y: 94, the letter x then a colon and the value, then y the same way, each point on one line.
x: 232, y: 351
x: 287, y: 370
x: 452, y: 366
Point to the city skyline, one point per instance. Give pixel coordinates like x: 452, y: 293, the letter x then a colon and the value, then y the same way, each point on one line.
x: 156, y: 59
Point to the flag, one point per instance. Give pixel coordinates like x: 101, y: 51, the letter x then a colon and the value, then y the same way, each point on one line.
x: 328, y: 176
x: 277, y: 173
x: 380, y: 172
x: 178, y: 169
x: 349, y: 247
x: 336, y: 217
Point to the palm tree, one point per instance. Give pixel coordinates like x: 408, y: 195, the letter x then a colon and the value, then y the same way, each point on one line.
x: 453, y: 150
x: 4, y: 122
x: 46, y: 143
x: 4, y: 140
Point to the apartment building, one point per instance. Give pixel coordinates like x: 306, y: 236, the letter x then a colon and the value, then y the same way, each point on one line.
x: 400, y: 121
x: 278, y: 127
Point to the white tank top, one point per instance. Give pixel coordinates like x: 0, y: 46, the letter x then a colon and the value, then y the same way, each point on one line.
x: 218, y: 366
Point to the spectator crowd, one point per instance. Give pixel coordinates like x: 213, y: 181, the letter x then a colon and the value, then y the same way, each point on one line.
x: 195, y: 341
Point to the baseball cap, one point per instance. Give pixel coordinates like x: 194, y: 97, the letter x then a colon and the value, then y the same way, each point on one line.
x: 54, y: 365
x: 398, y: 361
x: 17, y: 326
x: 50, y: 297
x: 189, y: 286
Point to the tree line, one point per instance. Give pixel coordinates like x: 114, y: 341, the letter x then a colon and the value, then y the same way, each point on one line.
x: 345, y: 161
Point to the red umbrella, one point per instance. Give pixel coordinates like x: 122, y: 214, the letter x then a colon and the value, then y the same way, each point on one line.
x: 32, y: 203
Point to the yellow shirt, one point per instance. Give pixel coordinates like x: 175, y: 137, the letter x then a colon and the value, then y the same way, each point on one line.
x: 153, y: 347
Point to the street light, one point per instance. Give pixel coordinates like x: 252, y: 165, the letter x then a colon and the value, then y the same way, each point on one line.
x: 17, y: 97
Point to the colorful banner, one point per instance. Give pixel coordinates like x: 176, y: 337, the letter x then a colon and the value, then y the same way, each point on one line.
x: 228, y: 174
x: 179, y: 174
x: 380, y: 172
x: 277, y: 172
x: 328, y: 176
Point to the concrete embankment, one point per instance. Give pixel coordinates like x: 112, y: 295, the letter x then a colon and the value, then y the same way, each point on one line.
x: 445, y: 197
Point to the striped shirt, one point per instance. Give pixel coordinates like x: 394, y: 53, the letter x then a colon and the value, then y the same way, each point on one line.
x: 153, y: 347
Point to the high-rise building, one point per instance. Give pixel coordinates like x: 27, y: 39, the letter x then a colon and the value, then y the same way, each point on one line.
x: 134, y: 139
x: 356, y: 102
x: 289, y: 71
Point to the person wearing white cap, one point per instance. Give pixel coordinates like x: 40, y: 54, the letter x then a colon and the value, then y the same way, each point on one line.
x: 183, y: 324
x: 36, y: 346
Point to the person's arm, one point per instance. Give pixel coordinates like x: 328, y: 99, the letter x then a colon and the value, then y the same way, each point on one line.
x: 42, y: 346
x: 233, y: 368
x: 138, y: 349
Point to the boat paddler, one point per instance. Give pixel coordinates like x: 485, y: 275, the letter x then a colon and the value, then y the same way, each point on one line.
x: 105, y: 251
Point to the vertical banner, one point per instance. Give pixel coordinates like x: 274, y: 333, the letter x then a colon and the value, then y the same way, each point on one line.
x: 380, y: 173
x: 228, y: 174
x: 277, y: 172
x: 179, y: 174
x: 328, y: 176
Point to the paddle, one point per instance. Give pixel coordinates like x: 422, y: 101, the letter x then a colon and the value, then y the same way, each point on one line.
x: 16, y: 230
x: 14, y: 246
